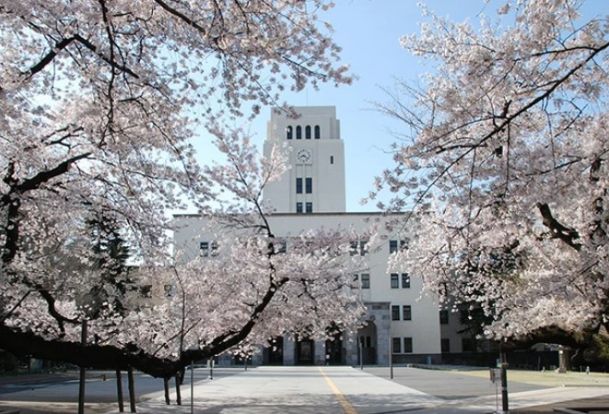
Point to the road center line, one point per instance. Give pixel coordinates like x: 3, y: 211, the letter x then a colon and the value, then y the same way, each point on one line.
x: 346, y: 405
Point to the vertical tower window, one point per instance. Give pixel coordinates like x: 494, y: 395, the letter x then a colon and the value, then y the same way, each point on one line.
x: 407, y: 312
x: 317, y: 132
x: 298, y: 132
x: 308, y: 132
x: 405, y: 281
x: 308, y: 185
x: 331, y: 159
x: 289, y: 130
x: 309, y: 207
x: 395, y: 281
x: 298, y: 185
x: 299, y: 207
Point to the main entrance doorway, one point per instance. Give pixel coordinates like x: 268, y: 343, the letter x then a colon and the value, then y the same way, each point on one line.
x: 305, y: 352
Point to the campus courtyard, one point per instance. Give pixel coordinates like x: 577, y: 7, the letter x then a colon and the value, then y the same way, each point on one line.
x: 316, y: 389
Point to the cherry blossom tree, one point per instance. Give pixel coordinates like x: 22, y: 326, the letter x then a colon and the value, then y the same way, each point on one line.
x: 504, y: 168
x: 99, y: 104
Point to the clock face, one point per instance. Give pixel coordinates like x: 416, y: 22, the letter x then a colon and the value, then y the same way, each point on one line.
x: 304, y: 155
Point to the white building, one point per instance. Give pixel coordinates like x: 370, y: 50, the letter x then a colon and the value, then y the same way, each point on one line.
x: 310, y: 195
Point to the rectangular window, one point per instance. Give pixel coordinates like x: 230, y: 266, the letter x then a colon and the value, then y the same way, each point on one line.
x: 445, y: 345
x: 299, y: 207
x: 408, y: 345
x: 308, y: 185
x: 397, y: 346
x: 393, y: 246
x: 209, y: 249
x: 444, y: 317
x: 365, y: 281
x: 407, y: 312
x: 395, y: 281
x: 395, y: 313
x: 204, y: 246
x: 309, y: 207
x: 358, y: 247
x: 331, y: 159
x: 363, y: 247
x: 463, y: 316
x: 405, y: 281
x: 298, y: 185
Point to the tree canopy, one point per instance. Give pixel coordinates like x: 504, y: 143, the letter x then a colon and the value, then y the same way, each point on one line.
x: 504, y: 163
x: 99, y: 104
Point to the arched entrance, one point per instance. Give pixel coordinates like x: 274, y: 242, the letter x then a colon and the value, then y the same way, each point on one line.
x: 334, y: 350
x: 367, y: 343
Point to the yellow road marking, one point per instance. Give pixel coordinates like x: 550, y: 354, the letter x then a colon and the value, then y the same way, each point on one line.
x: 347, y: 407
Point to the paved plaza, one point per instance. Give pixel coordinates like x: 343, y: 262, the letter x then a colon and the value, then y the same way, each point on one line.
x: 315, y: 390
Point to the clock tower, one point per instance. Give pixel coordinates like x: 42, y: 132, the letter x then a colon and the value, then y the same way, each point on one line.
x: 315, y: 181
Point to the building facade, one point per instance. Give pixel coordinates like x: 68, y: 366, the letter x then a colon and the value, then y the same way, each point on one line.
x: 400, y: 322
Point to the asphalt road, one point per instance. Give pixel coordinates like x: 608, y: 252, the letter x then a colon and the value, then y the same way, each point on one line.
x: 448, y: 384
x: 308, y: 390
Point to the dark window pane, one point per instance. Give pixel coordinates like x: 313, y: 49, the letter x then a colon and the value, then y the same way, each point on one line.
x: 393, y: 246
x: 407, y: 345
x: 308, y: 132
x: 444, y: 317
x: 463, y: 316
x: 298, y: 185
x: 395, y: 313
x: 407, y: 312
x: 309, y: 207
x: 365, y: 281
x: 317, y: 132
x: 331, y: 159
x: 299, y: 207
x: 397, y: 346
x: 405, y: 281
x: 298, y: 132
x: 394, y: 281
x: 308, y: 185
x: 289, y: 132
x: 204, y: 246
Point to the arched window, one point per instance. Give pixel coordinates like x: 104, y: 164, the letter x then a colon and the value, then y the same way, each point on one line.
x: 289, y: 131
x: 317, y: 132
x: 308, y: 132
x: 298, y: 132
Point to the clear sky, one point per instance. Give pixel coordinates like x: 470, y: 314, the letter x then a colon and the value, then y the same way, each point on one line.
x: 369, y: 33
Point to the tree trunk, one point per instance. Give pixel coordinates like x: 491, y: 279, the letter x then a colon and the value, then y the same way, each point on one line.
x: 178, y: 395
x: 119, y: 391
x: 131, y: 389
x: 166, y: 387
